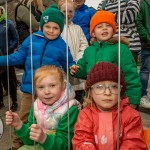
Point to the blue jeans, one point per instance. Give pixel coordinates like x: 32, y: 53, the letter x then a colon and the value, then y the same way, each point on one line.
x: 145, y: 70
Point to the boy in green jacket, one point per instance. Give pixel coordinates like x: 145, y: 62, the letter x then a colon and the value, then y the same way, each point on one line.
x: 105, y: 48
x: 48, y: 119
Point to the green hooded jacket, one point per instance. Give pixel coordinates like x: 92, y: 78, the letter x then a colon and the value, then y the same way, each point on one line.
x: 106, y: 52
x: 143, y: 23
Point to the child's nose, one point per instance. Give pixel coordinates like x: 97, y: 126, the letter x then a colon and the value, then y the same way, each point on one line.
x: 46, y: 90
x: 107, y: 91
x: 51, y: 30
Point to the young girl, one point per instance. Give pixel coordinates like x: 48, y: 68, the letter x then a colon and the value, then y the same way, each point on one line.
x: 50, y: 109
x: 102, y: 27
x: 96, y: 127
x: 77, y: 43
x: 47, y: 48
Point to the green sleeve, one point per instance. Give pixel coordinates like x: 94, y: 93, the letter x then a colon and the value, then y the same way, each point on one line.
x: 129, y: 68
x: 82, y: 71
x: 59, y: 141
x: 139, y: 22
x: 24, y: 133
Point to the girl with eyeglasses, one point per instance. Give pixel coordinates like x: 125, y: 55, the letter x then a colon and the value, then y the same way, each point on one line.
x: 96, y: 127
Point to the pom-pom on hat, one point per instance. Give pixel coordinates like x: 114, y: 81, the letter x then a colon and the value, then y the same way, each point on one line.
x: 52, y: 14
x: 102, y: 16
x: 104, y: 71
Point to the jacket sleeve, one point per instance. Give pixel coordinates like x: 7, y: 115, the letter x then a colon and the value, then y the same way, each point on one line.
x: 60, y: 140
x: 83, y: 44
x: 64, y: 59
x: 83, y: 134
x: 129, y: 68
x: 139, y: 22
x: 25, y: 17
x: 24, y: 132
x: 130, y: 13
x: 82, y: 71
x: 18, y: 57
x: 13, y: 37
x: 133, y: 134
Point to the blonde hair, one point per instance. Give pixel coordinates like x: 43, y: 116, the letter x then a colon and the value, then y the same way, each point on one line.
x: 48, y: 70
x: 61, y: 2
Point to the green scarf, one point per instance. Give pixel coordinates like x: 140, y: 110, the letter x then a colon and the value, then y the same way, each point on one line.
x: 3, y: 16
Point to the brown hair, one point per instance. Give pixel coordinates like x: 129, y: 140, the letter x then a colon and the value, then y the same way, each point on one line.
x: 48, y: 70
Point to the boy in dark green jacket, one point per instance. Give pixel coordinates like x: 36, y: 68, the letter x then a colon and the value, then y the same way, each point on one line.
x: 105, y: 48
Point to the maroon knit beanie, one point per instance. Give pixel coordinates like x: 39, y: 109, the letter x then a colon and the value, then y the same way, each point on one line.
x: 104, y: 71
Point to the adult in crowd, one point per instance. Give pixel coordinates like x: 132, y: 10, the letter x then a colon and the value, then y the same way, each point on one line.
x: 12, y: 42
x: 22, y: 17
x: 82, y: 17
x: 128, y: 12
x: 77, y: 43
x: 143, y: 26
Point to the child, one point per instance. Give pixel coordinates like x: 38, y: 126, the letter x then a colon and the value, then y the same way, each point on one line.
x: 50, y: 129
x: 82, y: 16
x: 129, y: 10
x: 96, y: 127
x: 77, y: 43
x: 102, y: 27
x: 48, y: 48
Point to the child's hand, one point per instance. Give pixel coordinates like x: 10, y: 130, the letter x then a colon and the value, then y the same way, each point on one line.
x: 12, y: 119
x: 37, y: 134
x: 73, y: 69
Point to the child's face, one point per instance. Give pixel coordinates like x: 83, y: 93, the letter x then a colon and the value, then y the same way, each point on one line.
x: 103, y: 32
x: 105, y: 98
x: 51, y: 30
x: 49, y: 89
x: 70, y: 12
x: 79, y: 3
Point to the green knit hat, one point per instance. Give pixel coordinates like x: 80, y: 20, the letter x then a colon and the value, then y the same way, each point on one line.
x: 52, y: 14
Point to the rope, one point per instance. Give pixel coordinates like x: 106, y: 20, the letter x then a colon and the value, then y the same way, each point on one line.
x: 118, y: 124
x: 7, y: 52
x: 67, y: 75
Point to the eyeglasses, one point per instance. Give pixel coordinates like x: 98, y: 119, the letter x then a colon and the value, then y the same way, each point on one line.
x: 100, y: 89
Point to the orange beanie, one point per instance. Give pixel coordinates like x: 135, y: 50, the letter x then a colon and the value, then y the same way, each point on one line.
x: 100, y: 17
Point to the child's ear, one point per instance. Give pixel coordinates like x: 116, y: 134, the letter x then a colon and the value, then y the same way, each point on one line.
x: 64, y: 85
x: 93, y: 34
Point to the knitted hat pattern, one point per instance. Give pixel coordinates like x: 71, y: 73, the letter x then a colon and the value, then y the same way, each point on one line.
x: 52, y: 14
x: 102, y: 16
x: 104, y: 71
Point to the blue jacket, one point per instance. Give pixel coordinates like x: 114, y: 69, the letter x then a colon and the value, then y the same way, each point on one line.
x: 12, y: 37
x: 82, y: 17
x: 43, y: 52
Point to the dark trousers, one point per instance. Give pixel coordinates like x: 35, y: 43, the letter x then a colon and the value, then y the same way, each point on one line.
x: 12, y: 83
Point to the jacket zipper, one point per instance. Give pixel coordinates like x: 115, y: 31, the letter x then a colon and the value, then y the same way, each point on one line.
x: 43, y: 52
